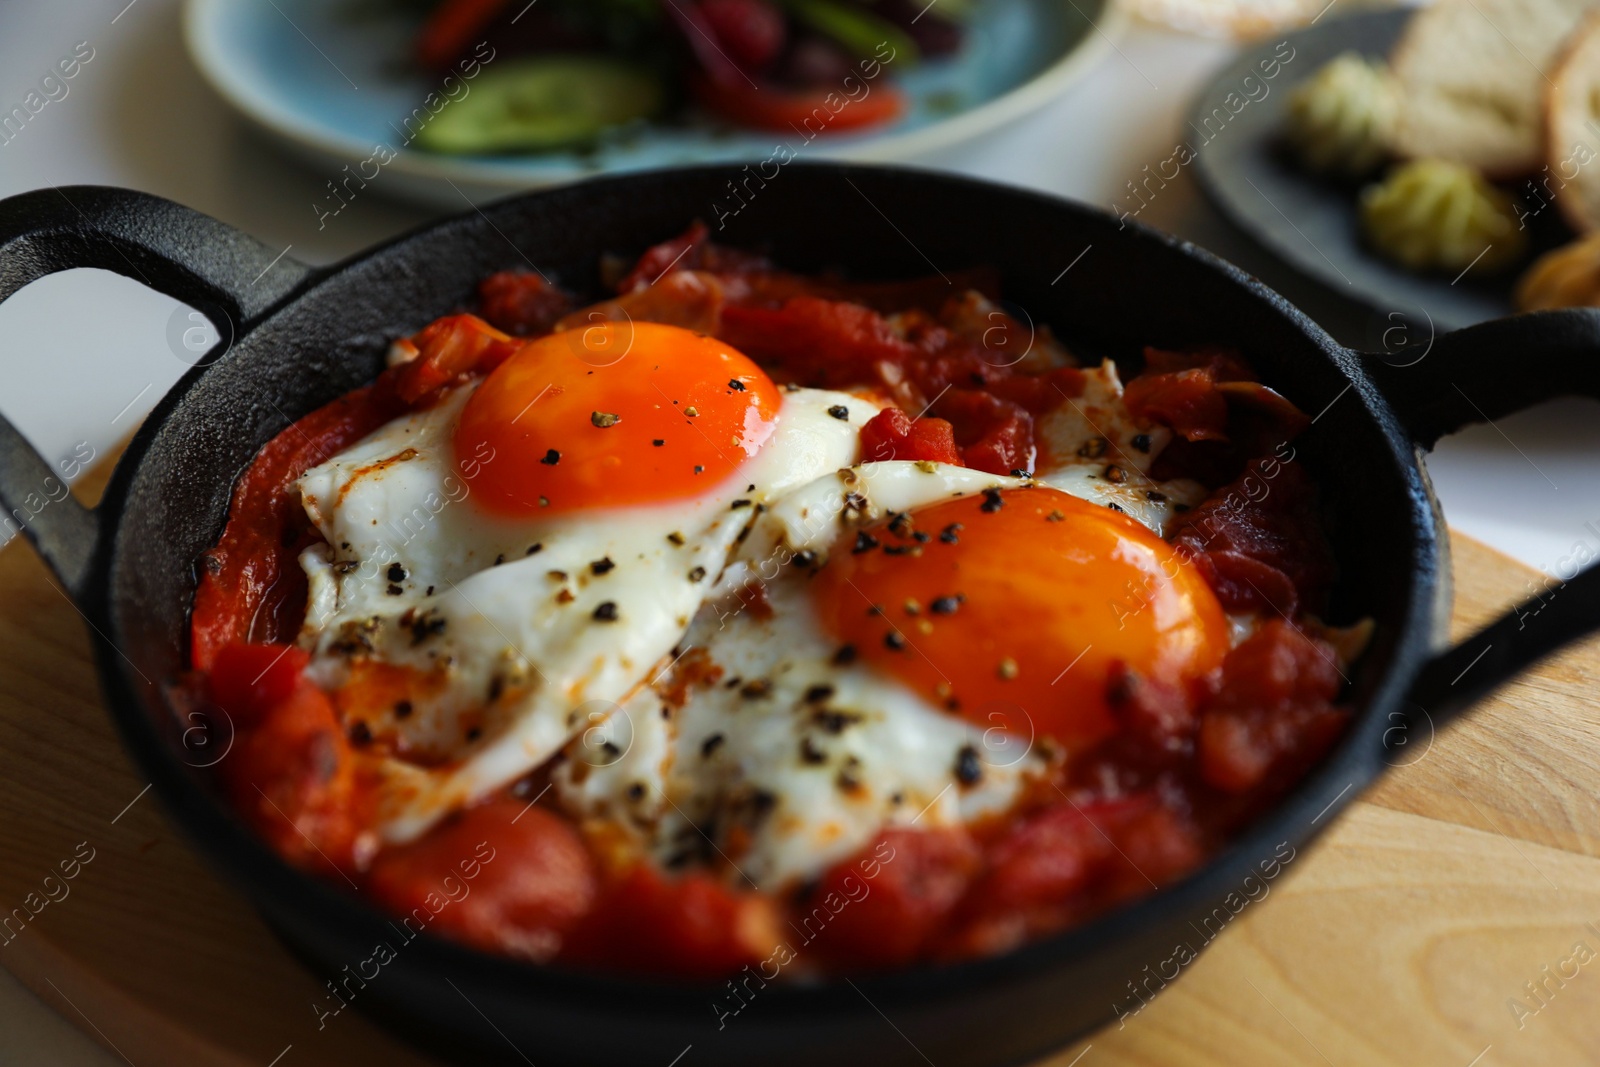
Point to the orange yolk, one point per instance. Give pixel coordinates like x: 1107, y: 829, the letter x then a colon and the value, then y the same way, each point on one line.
x: 614, y: 414
x: 1016, y: 605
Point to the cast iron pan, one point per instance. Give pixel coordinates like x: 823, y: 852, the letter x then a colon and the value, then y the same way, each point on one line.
x: 295, y: 338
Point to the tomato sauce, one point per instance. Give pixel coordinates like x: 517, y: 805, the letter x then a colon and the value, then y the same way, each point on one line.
x: 1183, y: 771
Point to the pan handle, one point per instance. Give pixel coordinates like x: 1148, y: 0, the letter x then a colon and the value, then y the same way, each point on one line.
x: 172, y: 249
x: 1477, y: 375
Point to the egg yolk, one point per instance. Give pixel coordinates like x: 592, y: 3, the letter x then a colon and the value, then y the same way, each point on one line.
x: 1010, y: 608
x: 614, y: 414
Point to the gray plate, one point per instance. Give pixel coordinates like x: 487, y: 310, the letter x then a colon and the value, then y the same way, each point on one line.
x: 1310, y: 223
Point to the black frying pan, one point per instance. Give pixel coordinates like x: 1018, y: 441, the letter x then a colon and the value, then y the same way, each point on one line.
x: 295, y: 338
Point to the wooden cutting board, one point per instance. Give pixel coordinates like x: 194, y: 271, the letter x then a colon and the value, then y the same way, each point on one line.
x: 1409, y: 935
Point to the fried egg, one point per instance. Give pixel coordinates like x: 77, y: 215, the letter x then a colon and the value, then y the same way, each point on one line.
x: 895, y: 644
x: 533, y: 545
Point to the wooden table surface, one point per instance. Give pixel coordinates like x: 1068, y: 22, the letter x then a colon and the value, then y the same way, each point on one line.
x: 1451, y: 917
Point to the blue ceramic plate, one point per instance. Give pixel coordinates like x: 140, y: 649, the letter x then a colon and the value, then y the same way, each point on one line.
x: 329, y: 79
x: 1310, y: 223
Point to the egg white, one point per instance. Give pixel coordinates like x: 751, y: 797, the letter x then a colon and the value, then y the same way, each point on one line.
x: 761, y: 774
x: 504, y: 617
x: 1096, y: 450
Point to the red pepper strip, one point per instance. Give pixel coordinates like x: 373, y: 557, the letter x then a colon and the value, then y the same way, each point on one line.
x: 451, y: 29
x: 805, y: 111
x: 703, y: 43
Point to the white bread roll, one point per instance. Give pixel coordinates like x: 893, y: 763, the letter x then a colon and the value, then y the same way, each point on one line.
x: 1473, y: 76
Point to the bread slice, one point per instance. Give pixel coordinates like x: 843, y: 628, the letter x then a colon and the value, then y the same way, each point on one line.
x: 1472, y: 77
x: 1572, y: 129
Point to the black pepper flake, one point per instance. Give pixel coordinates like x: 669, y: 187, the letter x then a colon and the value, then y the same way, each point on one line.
x: 697, y: 575
x: 606, y: 612
x: 733, y: 683
x: 755, y: 690
x: 834, y: 722
x: 839, y: 411
x: 395, y: 590
x: 948, y: 534
x: 474, y: 732
x: 360, y: 734
x: 968, y: 769
x: 636, y: 792
x: 845, y: 655
x: 865, y: 542
x: 551, y: 458
x: 847, y: 781
x: 424, y: 626
x: 921, y: 537
x: 1094, y: 449
x: 711, y: 744
x: 761, y: 804
x: 601, y: 566
x: 899, y: 524
x: 736, y: 385
x: 737, y: 504
x: 818, y: 693
x: 698, y: 469
x: 992, y: 502
x: 397, y: 573
x: 1121, y: 688
x: 534, y: 549
x: 946, y: 605
x: 1116, y: 474
x: 805, y: 558
x: 501, y: 558
x: 604, y: 420
x: 810, y: 753
x: 902, y: 550
x: 659, y: 441
x: 1115, y: 507
x: 1020, y: 473
x: 403, y: 710
x: 429, y: 592
x: 1155, y: 497
x: 1141, y: 442
x: 894, y: 640
x: 676, y: 538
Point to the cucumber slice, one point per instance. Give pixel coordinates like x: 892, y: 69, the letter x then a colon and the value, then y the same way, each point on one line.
x: 529, y: 105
